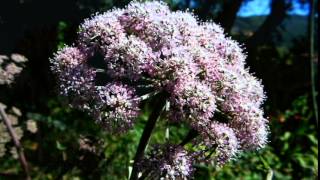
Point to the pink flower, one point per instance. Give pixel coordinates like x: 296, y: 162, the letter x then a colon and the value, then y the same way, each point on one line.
x: 145, y: 48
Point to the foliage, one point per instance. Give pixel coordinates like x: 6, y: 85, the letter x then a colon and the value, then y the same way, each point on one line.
x: 292, y: 149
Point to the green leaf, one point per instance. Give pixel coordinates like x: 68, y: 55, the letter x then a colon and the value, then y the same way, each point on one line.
x: 285, y: 136
x: 302, y: 161
x: 264, y: 162
x: 60, y: 147
x: 313, y: 139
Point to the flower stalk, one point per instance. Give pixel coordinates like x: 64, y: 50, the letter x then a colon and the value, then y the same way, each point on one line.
x: 160, y: 102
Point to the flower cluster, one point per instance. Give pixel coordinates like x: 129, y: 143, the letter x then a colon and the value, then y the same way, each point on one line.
x: 193, y: 102
x: 10, y: 67
x: 115, y: 106
x: 146, y: 48
x: 220, y: 138
x: 167, y: 162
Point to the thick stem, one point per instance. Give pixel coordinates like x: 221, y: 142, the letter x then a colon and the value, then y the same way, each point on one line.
x: 160, y: 102
x: 16, y: 142
x: 312, y: 66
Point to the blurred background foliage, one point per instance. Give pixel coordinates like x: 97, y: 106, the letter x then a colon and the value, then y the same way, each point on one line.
x: 66, y: 144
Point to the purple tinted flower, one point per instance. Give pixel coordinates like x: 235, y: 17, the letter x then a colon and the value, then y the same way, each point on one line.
x: 193, y: 102
x: 149, y: 21
x: 101, y: 30
x: 251, y: 128
x: 76, y: 79
x: 176, y: 64
x: 77, y: 84
x: 66, y: 59
x: 220, y: 142
x: 152, y: 49
x: 115, y: 106
x: 167, y: 162
x: 128, y: 58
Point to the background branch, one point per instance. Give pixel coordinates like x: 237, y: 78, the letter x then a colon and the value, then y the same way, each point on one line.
x: 16, y: 142
x: 275, y: 18
x: 229, y: 13
x: 312, y: 59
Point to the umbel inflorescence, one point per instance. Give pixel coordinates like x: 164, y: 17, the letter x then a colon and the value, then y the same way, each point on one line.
x: 146, y: 49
